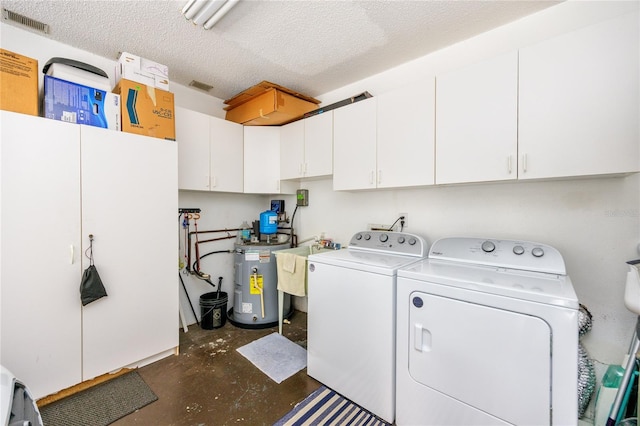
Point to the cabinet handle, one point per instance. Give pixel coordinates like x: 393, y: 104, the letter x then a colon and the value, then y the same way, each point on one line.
x: 214, y: 181
x: 304, y: 169
x: 371, y: 177
x: 72, y: 253
x: 278, y: 185
x: 379, y: 176
x: 208, y: 181
x: 509, y: 164
x: 524, y: 163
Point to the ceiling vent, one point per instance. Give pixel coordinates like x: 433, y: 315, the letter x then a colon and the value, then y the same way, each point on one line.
x: 8, y: 15
x: 200, y: 85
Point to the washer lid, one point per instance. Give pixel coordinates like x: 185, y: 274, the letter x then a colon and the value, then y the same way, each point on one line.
x: 551, y: 289
x: 361, y: 259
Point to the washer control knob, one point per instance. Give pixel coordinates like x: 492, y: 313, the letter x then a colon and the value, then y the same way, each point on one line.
x: 518, y: 250
x: 401, y: 240
x: 537, y: 252
x: 367, y: 237
x: 412, y: 241
x: 358, y: 236
x: 384, y: 238
x: 488, y: 247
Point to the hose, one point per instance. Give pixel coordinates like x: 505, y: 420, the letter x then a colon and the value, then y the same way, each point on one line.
x: 189, y: 299
x: 196, y: 266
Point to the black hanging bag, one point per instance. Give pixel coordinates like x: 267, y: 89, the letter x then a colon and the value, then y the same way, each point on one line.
x: 91, y: 287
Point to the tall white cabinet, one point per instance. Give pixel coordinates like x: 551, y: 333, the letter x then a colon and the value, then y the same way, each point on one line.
x: 40, y: 252
x: 61, y: 182
x: 129, y: 205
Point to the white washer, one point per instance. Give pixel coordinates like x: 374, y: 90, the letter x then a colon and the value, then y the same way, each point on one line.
x: 351, y: 319
x: 487, y: 335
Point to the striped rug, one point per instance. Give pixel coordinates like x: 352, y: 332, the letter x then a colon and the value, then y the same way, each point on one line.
x: 326, y: 408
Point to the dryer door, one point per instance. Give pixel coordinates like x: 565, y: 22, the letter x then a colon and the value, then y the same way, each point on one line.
x: 494, y: 360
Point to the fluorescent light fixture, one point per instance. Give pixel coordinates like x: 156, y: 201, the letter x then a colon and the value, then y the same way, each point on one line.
x: 207, y: 12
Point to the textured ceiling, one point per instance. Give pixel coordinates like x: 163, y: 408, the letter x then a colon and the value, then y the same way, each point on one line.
x: 312, y: 46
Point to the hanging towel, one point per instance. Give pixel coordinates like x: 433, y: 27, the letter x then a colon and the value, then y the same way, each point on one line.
x: 292, y: 273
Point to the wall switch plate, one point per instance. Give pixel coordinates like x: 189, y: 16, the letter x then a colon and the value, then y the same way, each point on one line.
x: 302, y: 197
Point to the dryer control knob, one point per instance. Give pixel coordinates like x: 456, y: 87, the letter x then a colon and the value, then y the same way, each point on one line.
x: 384, y: 238
x: 358, y: 236
x: 537, y: 252
x: 401, y: 240
x: 367, y: 237
x: 488, y: 246
x: 412, y: 241
x: 518, y: 250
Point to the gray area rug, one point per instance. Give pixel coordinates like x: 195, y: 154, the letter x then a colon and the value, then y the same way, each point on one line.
x: 100, y: 405
x: 276, y: 356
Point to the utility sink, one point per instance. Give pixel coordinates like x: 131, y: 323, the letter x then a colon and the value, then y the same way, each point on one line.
x: 303, y: 251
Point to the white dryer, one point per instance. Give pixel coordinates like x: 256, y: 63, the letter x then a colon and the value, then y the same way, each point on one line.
x: 351, y: 319
x: 487, y: 335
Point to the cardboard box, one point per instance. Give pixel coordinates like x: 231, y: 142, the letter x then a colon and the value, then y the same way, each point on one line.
x: 74, y: 103
x: 18, y: 83
x: 130, y: 72
x: 146, y: 110
x: 136, y: 68
x: 271, y: 107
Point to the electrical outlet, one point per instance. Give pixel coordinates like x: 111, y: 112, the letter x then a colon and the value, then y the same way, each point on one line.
x: 406, y: 219
x: 378, y: 227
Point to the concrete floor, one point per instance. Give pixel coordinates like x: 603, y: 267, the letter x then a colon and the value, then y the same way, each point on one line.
x: 210, y: 383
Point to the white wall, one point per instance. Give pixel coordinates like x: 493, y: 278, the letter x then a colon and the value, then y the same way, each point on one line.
x: 219, y: 211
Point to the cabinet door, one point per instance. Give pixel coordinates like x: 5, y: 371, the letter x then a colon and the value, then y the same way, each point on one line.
x: 476, y: 122
x: 129, y: 204
x: 318, y: 145
x: 227, y: 158
x: 354, y: 146
x: 406, y: 127
x: 192, y: 136
x: 262, y: 159
x: 579, y: 102
x: 40, y: 254
x: 292, y: 150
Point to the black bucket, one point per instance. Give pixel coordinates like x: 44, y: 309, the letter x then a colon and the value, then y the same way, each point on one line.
x: 213, y: 310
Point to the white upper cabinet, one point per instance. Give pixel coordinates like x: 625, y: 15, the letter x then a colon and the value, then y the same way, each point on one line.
x: 476, y: 122
x: 262, y: 161
x: 306, y: 147
x: 292, y: 150
x: 318, y: 145
x: 210, y: 152
x: 226, y: 156
x: 579, y: 102
x: 192, y: 137
x: 354, y: 145
x: 405, y: 136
